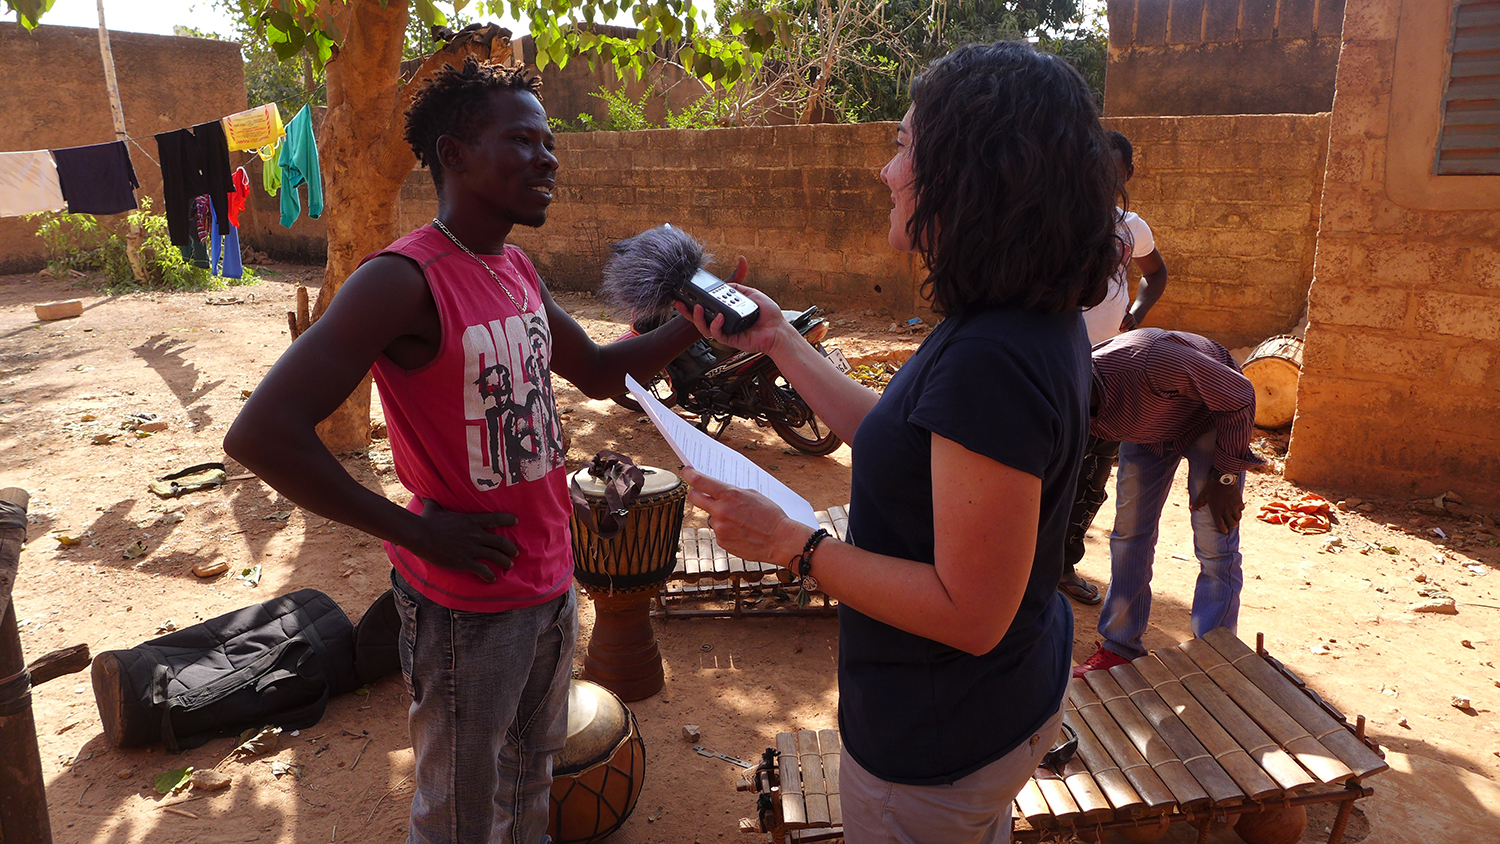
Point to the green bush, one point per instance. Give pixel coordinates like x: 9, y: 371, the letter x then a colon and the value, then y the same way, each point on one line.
x: 623, y: 114
x: 703, y: 113
x: 81, y: 242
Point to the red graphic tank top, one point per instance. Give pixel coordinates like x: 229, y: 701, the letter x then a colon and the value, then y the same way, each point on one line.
x: 477, y: 430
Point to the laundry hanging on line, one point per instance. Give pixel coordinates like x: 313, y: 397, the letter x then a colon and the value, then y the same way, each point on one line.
x: 97, y: 179
x: 270, y: 167
x: 239, y: 196
x: 223, y: 247
x: 101, y: 179
x: 215, y: 244
x: 28, y: 183
x: 299, y: 164
x: 193, y: 163
x: 253, y: 128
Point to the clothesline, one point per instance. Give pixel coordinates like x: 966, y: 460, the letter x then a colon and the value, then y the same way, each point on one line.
x: 196, y: 172
x: 136, y: 139
x: 143, y: 151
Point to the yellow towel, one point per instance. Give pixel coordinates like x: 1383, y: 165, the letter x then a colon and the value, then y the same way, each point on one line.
x: 254, y: 128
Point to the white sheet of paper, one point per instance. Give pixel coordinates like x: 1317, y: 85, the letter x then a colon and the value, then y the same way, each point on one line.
x: 716, y: 460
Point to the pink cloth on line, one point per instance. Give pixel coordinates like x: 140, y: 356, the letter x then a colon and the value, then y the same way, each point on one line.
x: 239, y: 196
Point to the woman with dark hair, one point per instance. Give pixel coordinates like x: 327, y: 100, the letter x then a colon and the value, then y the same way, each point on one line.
x: 954, y: 643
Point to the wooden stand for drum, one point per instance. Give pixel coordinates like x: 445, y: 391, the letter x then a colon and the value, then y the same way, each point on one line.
x: 621, y: 575
x: 1274, y: 368
x: 598, y: 777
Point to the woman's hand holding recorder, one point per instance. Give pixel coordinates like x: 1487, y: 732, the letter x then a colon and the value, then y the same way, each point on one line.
x: 769, y: 330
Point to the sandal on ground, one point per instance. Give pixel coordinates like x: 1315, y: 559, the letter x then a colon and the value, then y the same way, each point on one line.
x: 1080, y: 590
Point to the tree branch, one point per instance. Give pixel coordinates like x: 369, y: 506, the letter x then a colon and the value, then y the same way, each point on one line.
x: 479, y: 43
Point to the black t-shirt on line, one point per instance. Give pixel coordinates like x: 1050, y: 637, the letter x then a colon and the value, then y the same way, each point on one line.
x: 1012, y: 386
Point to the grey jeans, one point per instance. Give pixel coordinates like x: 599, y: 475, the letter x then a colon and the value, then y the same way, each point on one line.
x: 974, y: 810
x: 489, y: 709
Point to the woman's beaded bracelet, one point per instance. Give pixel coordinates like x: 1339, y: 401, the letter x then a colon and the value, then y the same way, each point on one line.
x: 803, y: 564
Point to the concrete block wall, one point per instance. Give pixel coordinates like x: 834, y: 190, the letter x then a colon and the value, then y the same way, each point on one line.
x: 1233, y: 203
x: 804, y: 204
x: 1222, y: 56
x: 1400, y: 390
x: 1232, y: 200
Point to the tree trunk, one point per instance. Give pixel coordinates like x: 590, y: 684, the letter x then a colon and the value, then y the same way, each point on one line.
x: 365, y: 159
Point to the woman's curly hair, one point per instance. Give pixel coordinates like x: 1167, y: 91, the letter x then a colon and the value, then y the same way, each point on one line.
x: 1013, y: 181
x: 451, y: 102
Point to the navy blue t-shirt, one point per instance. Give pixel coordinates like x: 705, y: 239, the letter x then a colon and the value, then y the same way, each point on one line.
x: 1012, y: 386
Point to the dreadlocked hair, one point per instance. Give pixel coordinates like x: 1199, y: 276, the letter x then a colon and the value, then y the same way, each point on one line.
x: 451, y: 102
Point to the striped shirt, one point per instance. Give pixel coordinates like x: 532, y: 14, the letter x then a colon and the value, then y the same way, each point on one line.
x: 1163, y: 389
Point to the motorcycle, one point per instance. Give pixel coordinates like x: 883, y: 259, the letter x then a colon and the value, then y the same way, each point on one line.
x: 716, y: 383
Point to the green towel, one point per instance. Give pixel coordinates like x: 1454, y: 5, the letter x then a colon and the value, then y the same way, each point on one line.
x: 299, y: 165
x: 270, y: 167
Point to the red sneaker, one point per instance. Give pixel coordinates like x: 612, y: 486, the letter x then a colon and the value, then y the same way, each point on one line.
x: 1102, y: 658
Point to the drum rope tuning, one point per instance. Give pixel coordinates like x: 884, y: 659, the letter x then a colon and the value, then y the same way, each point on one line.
x: 621, y: 576
x: 641, y: 556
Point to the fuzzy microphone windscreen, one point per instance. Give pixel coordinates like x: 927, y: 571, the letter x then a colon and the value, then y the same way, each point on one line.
x: 644, y: 272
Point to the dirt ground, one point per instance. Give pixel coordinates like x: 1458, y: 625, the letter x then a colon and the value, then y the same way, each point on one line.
x: 1340, y: 618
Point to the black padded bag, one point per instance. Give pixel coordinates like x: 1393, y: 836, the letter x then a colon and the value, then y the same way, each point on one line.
x: 377, y: 640
x: 275, y: 663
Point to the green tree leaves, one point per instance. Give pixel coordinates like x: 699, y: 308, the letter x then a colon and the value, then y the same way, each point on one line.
x: 428, y: 12
x: 29, y: 12
x: 853, y: 58
x: 723, y: 51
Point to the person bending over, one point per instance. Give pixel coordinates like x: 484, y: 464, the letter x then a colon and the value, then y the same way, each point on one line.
x: 953, y: 639
x: 1165, y: 396
x: 462, y: 337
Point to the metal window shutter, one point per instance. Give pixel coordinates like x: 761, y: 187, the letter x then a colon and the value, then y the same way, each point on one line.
x: 1470, y: 139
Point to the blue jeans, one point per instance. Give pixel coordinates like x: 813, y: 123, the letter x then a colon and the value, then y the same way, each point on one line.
x: 1141, y: 488
x: 489, y: 710
x: 224, y: 248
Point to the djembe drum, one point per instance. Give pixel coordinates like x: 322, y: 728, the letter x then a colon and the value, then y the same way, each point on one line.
x: 621, y: 574
x: 1274, y: 368
x: 597, y: 778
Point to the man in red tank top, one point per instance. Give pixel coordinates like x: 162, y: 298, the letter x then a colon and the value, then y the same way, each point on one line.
x: 462, y: 337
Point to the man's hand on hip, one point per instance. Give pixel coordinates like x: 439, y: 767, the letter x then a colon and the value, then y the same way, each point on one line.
x: 463, y: 541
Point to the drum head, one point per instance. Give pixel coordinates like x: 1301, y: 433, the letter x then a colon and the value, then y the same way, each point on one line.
x: 657, y: 482
x: 597, y: 722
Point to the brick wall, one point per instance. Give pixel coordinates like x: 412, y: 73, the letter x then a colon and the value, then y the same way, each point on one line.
x: 803, y: 204
x: 1400, y: 389
x: 1233, y: 203
x: 1232, y: 200
x: 1222, y: 56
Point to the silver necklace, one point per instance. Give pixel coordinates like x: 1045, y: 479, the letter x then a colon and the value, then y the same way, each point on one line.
x: 522, y: 305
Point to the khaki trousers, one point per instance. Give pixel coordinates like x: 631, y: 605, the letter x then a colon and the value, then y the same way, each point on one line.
x: 973, y: 810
